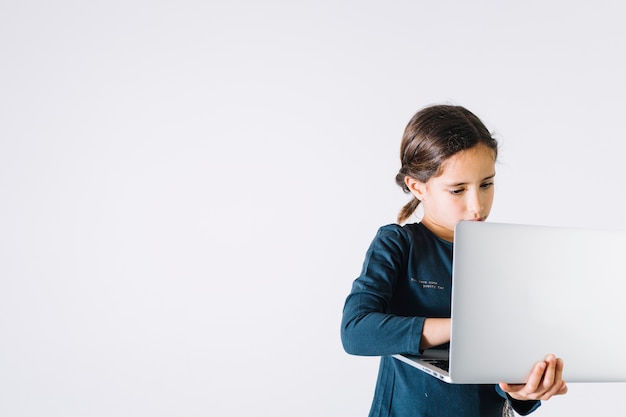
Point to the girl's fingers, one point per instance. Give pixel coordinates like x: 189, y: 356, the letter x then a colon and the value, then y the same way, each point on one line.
x: 549, y: 373
x: 544, y: 382
x: 535, y: 378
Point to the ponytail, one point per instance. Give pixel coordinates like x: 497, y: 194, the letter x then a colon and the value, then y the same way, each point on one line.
x: 411, y: 206
x: 408, y: 209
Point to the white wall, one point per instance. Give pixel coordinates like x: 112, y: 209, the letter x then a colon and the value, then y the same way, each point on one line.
x: 188, y: 188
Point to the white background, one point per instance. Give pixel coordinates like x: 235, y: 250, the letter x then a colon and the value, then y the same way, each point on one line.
x: 187, y: 188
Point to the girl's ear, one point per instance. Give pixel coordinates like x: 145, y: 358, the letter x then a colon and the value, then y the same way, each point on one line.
x: 416, y: 187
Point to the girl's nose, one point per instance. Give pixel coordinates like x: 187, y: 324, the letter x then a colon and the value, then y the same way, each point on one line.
x: 475, y: 204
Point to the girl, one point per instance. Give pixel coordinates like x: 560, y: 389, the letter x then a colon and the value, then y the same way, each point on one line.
x: 448, y: 164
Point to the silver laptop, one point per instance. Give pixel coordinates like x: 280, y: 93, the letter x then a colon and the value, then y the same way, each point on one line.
x: 521, y: 292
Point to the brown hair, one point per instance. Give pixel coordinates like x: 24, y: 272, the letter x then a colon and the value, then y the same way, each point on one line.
x: 433, y: 135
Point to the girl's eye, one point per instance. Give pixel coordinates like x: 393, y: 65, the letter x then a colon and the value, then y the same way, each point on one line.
x: 456, y: 192
x: 486, y: 185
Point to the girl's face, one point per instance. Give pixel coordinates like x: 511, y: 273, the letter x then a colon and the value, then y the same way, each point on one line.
x: 463, y: 191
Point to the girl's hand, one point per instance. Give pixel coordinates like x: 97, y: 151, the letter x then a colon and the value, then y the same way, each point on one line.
x: 544, y: 382
x: 435, y: 332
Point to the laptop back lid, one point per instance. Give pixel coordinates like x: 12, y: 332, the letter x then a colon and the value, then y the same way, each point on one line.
x: 521, y: 292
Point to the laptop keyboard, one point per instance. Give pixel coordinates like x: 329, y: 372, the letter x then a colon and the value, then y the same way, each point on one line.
x: 440, y: 363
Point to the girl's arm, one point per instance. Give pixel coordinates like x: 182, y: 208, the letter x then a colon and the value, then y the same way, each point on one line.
x: 367, y: 326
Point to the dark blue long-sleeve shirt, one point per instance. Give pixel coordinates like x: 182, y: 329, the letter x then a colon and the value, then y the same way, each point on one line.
x: 407, y: 277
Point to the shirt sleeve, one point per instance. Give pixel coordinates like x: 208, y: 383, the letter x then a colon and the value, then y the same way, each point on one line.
x: 367, y: 327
